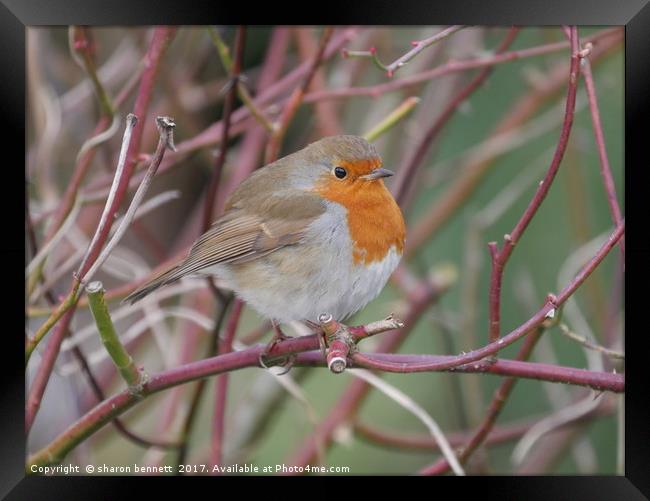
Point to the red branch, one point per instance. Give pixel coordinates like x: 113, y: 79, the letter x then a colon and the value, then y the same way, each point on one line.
x: 605, y: 169
x: 107, y: 410
x: 500, y: 257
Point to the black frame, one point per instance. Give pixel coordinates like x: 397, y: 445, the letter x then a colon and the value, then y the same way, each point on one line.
x: 15, y: 15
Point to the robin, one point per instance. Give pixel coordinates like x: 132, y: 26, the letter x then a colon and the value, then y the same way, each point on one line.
x: 311, y: 233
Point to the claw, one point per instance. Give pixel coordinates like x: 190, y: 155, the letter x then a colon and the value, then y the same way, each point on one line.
x: 278, y: 337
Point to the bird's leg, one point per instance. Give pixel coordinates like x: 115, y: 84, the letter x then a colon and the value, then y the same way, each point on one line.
x: 322, y: 336
x: 278, y: 336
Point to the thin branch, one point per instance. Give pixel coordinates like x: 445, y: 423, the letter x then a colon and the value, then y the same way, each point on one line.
x: 605, y: 169
x: 419, y: 46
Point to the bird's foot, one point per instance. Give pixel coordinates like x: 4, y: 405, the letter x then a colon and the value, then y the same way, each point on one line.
x: 286, y: 362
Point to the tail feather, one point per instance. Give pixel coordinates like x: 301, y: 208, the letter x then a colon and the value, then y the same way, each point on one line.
x: 168, y: 277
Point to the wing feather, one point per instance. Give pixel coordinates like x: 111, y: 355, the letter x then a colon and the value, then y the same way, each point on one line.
x: 243, y: 234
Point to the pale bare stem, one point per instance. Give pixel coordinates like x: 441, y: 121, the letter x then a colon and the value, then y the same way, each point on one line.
x: 100, y: 138
x: 131, y: 121
x: 410, y: 405
x: 564, y: 329
x: 165, y: 128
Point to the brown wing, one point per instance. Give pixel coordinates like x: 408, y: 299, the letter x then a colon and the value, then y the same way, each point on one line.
x: 242, y: 235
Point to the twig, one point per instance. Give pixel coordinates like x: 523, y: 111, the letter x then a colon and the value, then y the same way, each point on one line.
x: 162, y: 36
x: 165, y: 127
x: 119, y: 425
x: 326, y: 114
x: 295, y: 100
x: 123, y: 362
x: 500, y: 257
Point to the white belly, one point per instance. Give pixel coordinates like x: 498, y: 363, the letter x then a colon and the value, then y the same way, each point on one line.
x: 301, y: 282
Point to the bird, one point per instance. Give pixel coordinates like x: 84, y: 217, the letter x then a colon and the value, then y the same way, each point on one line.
x: 315, y: 232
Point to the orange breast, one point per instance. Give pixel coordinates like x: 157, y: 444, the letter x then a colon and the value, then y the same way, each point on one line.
x: 374, y: 218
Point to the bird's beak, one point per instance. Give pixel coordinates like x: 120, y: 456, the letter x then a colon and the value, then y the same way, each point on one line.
x: 378, y: 174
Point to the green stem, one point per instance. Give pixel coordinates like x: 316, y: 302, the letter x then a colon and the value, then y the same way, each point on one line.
x: 395, y: 116
x: 69, y: 301
x: 121, y: 358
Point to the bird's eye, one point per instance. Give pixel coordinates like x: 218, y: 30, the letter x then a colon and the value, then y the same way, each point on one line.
x: 340, y: 172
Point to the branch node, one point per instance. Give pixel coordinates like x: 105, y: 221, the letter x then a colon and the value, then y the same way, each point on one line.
x: 337, y: 364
